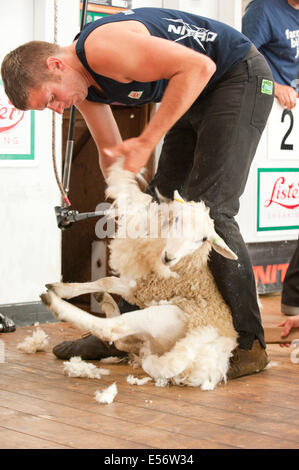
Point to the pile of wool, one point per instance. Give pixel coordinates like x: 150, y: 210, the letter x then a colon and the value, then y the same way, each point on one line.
x: 76, y: 367
x: 135, y: 381
x: 38, y: 341
x: 107, y: 395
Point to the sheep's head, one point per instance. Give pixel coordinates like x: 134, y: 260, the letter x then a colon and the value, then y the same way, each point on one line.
x: 191, y: 228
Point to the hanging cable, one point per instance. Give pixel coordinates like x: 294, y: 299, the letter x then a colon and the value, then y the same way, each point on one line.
x: 54, y: 159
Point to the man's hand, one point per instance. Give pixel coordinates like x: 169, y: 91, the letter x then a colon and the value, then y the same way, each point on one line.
x: 135, y: 152
x: 286, y: 95
x: 292, y: 322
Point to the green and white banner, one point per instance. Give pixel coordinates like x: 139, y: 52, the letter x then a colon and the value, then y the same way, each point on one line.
x: 16, y: 131
x: 278, y: 199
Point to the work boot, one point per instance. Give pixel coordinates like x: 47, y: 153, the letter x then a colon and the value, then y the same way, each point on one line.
x: 88, y: 348
x: 246, y: 362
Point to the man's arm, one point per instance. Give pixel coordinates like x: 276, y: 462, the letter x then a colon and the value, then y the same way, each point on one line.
x: 255, y: 23
x: 125, y: 55
x: 256, y: 26
x: 103, y: 128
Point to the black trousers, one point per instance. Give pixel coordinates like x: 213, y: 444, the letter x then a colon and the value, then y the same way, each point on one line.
x: 206, y: 156
x: 290, y: 288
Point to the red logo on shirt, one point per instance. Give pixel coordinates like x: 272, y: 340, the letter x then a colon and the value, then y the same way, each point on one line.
x: 136, y: 95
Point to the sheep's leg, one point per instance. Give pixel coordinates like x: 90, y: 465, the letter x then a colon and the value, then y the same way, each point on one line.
x: 105, y: 284
x: 164, y: 324
x: 169, y: 365
x: 107, y: 304
x: 110, y: 308
x: 106, y: 328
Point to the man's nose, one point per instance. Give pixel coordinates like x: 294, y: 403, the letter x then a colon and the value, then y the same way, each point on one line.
x: 56, y: 107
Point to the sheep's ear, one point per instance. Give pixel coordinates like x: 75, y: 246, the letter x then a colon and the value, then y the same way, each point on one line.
x: 177, y: 197
x: 221, y: 247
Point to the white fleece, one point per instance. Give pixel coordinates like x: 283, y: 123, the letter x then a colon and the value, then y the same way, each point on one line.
x: 76, y: 367
x: 38, y: 341
x: 107, y: 395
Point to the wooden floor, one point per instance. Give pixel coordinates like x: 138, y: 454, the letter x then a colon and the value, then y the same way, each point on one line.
x: 41, y: 408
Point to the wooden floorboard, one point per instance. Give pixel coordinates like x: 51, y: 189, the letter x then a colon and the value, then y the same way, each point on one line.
x: 42, y: 408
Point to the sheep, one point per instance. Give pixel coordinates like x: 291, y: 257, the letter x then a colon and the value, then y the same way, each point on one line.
x: 183, y: 333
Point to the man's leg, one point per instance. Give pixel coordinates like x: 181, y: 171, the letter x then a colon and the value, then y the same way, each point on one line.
x: 290, y: 288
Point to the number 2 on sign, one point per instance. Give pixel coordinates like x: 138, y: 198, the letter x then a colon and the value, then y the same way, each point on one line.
x: 284, y: 145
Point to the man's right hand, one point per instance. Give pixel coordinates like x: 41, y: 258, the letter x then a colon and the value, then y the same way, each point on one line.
x: 286, y: 95
x: 288, y: 324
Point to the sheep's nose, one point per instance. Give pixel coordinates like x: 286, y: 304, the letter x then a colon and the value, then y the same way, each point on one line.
x: 166, y: 259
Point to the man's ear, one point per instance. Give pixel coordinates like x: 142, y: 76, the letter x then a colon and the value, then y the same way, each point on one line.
x: 54, y: 63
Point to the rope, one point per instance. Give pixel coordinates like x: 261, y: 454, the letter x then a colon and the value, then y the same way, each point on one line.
x: 54, y: 159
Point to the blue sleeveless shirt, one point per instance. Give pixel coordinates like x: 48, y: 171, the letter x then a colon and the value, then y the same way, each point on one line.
x: 223, y: 44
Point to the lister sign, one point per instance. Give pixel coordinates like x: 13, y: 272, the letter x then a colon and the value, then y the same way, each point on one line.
x: 16, y: 131
x: 278, y: 199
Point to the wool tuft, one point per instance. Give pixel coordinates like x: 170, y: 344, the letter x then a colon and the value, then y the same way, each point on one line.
x: 38, y: 341
x: 107, y: 395
x: 135, y: 381
x: 76, y: 367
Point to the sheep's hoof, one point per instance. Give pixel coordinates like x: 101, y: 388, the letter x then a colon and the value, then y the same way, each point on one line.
x: 60, y: 289
x: 46, y: 299
x: 51, y: 286
x: 56, y: 287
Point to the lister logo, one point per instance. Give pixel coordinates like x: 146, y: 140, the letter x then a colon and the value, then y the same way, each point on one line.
x: 184, y: 30
x: 285, y: 194
x: 10, y: 116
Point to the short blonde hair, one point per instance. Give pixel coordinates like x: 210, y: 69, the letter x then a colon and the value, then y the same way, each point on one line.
x: 24, y: 68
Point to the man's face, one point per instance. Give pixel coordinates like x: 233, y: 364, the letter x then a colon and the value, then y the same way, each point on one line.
x: 59, y: 94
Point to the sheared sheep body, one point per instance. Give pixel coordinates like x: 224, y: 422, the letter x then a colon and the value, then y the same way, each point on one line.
x: 194, y: 290
x: 183, y: 333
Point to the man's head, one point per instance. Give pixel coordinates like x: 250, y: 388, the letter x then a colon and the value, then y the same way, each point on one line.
x: 41, y: 75
x: 25, y: 69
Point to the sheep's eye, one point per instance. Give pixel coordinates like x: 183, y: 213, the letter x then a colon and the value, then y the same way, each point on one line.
x: 204, y: 239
